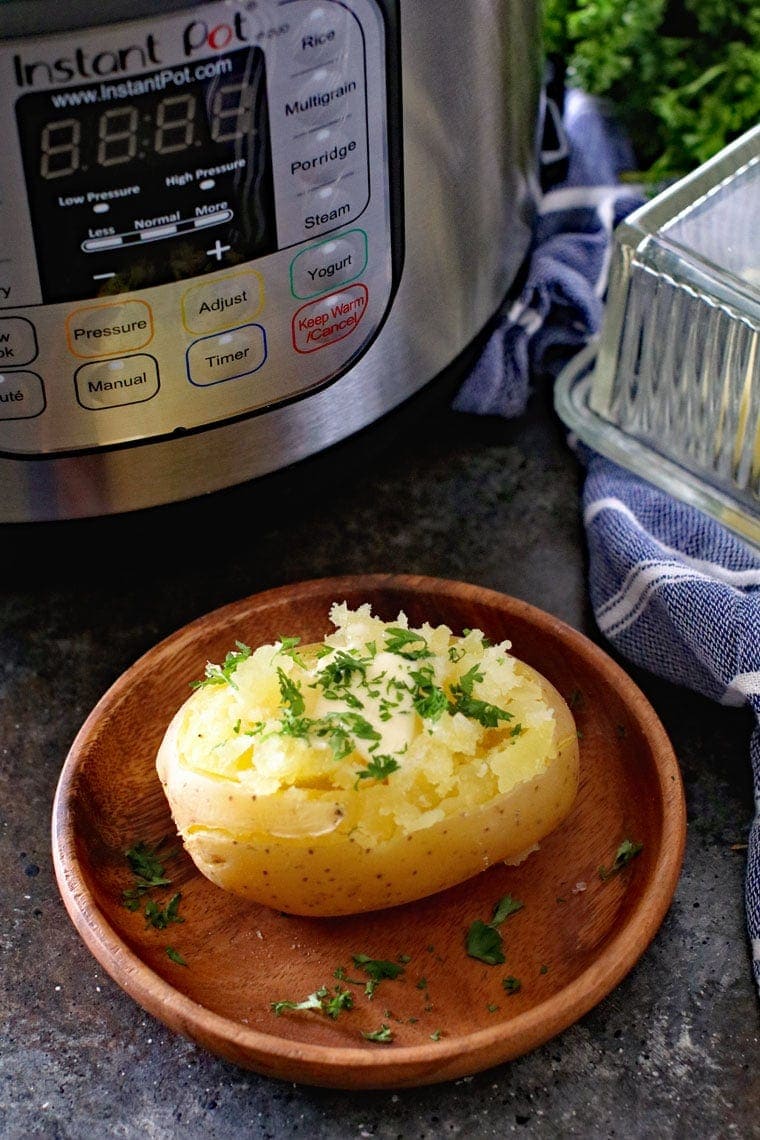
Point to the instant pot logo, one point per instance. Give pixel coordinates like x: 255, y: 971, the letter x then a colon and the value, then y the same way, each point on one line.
x: 81, y: 64
x: 199, y: 35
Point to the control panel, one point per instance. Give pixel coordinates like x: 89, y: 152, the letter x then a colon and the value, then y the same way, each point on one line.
x: 199, y: 216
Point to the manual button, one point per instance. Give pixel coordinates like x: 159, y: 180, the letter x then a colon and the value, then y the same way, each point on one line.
x: 226, y: 301
x: 116, y: 383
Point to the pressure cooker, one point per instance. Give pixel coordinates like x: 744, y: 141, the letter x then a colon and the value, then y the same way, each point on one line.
x: 236, y: 233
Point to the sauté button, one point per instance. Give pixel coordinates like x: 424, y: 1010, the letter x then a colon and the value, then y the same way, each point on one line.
x: 22, y: 395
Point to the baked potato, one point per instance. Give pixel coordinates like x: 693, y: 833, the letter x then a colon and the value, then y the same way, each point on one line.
x: 372, y: 769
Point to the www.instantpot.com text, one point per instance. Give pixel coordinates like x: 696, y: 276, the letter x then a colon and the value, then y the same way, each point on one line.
x: 128, y: 88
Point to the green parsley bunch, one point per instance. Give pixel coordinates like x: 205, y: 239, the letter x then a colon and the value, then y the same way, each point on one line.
x: 683, y: 75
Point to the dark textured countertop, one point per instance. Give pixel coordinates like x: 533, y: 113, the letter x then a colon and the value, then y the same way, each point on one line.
x: 672, y: 1051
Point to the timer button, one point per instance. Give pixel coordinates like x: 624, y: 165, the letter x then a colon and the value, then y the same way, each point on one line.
x: 22, y: 396
x: 329, y: 263
x: 108, y: 330
x: 116, y: 383
x: 329, y: 319
x: 230, y: 300
x: 237, y: 352
x: 18, y: 342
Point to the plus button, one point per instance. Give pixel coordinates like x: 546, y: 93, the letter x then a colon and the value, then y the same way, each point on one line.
x: 217, y: 250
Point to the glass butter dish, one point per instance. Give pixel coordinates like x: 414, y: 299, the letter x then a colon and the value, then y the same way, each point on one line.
x: 671, y: 386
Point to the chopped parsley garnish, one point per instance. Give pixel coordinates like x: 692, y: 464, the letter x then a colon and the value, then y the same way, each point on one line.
x: 223, y: 674
x: 463, y: 701
x: 436, y: 1035
x: 428, y: 699
x: 149, y: 872
x: 290, y: 694
x: 379, y: 768
x: 321, y: 1000
x: 511, y: 984
x: 401, y: 642
x: 627, y: 851
x: 377, y: 970
x: 484, y: 940
x: 161, y: 917
x: 384, y: 1034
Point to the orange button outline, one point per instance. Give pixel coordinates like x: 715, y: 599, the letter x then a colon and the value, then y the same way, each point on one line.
x: 218, y: 281
x: 118, y: 351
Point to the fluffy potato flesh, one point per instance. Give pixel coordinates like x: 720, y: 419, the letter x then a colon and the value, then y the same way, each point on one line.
x: 376, y: 768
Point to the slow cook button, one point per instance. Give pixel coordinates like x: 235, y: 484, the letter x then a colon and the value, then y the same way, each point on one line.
x: 226, y: 356
x: 329, y: 319
x: 329, y: 263
x: 22, y: 396
x: 108, y: 330
x: 18, y: 342
x: 229, y: 300
x: 116, y: 383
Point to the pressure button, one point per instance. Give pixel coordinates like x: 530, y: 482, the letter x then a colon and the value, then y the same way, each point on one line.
x: 108, y: 330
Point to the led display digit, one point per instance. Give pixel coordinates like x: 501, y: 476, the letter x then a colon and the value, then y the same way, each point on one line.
x: 151, y: 178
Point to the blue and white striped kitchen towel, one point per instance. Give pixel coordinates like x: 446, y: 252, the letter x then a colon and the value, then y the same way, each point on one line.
x: 671, y: 589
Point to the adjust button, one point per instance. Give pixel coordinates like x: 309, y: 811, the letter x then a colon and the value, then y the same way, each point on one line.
x: 237, y: 352
x: 108, y: 330
x: 116, y: 383
x: 22, y: 396
x: 225, y: 301
x: 18, y: 342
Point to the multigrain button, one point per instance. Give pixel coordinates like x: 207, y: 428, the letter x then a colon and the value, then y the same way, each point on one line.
x: 328, y: 263
x: 323, y: 96
x: 237, y: 352
x: 116, y: 383
x: 18, y: 342
x: 329, y: 319
x: 226, y: 301
x: 109, y: 330
x: 22, y: 395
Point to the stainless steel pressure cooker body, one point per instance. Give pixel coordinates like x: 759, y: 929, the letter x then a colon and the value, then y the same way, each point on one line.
x: 234, y: 234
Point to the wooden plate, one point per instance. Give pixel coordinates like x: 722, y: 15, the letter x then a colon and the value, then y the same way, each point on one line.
x: 449, y: 1014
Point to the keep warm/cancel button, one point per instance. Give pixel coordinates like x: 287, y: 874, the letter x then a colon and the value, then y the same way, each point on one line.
x: 329, y: 319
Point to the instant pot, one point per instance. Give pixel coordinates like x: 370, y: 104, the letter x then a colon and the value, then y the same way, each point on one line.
x: 234, y: 234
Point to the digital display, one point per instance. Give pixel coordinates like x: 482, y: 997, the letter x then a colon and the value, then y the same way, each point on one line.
x: 151, y: 178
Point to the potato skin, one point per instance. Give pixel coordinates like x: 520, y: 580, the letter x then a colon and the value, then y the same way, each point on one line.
x: 298, y: 854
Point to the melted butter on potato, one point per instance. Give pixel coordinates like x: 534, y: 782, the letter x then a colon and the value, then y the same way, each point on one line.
x: 371, y: 769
